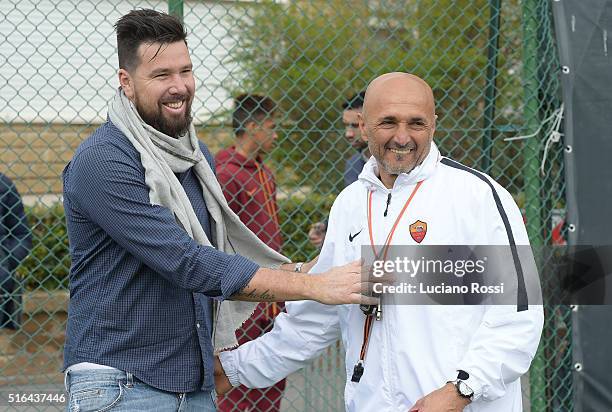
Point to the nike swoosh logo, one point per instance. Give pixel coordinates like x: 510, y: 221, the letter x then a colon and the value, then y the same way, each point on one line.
x: 351, y: 237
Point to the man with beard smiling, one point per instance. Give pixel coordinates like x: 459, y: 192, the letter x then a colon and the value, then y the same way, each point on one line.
x: 157, y: 253
x: 424, y: 358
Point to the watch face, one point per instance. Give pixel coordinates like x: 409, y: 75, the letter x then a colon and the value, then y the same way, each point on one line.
x: 464, y: 389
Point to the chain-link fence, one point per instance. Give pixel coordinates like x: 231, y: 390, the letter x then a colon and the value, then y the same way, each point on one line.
x: 492, y: 66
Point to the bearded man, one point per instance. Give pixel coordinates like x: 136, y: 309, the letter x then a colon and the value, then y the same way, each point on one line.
x: 425, y: 358
x: 156, y: 251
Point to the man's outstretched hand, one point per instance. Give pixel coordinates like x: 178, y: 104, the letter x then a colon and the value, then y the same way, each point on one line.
x: 338, y: 286
x: 342, y: 285
x: 222, y: 383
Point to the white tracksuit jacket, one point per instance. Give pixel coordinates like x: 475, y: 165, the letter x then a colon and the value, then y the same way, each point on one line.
x: 413, y: 350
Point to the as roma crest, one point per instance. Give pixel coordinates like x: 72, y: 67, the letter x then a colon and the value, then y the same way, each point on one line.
x: 418, y: 230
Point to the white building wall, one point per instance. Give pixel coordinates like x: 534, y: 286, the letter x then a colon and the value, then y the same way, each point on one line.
x: 58, y: 59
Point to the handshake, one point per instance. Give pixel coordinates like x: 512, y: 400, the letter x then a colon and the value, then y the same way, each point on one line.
x: 348, y: 284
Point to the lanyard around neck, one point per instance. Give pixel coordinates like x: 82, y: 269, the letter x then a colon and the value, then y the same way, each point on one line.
x: 367, y: 327
x: 385, y: 248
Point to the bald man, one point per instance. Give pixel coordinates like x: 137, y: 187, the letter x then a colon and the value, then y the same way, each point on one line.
x: 416, y: 357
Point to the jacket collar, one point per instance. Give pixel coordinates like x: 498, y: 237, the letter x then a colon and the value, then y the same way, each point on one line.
x: 369, y: 175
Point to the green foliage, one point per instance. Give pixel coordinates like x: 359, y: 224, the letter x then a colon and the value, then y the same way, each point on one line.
x: 311, y: 56
x: 48, y: 263
x: 297, y: 215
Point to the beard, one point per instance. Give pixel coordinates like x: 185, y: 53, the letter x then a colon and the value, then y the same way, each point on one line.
x: 397, y: 168
x: 171, y: 126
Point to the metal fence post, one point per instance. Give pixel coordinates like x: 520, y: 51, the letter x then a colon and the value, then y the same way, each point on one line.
x: 175, y: 8
x: 490, y: 89
x: 532, y: 179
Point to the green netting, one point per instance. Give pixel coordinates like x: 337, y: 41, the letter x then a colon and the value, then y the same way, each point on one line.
x: 492, y: 66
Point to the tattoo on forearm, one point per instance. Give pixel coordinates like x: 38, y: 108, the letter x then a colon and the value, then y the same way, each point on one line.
x: 256, y: 295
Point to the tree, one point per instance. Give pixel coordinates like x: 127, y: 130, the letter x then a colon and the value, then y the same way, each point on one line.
x: 311, y: 55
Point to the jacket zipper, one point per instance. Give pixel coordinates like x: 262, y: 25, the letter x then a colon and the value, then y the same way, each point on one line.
x: 388, y: 203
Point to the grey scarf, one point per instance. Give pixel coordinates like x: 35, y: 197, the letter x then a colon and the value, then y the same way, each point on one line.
x: 161, y: 157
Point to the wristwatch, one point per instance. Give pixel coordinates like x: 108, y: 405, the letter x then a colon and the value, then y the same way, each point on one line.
x: 462, y: 388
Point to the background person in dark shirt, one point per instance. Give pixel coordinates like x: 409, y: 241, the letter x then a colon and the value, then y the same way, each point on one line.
x: 147, y: 225
x: 350, y: 118
x: 354, y: 165
x: 15, y: 244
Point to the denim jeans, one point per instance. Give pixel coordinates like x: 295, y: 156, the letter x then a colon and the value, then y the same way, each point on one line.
x: 115, y: 390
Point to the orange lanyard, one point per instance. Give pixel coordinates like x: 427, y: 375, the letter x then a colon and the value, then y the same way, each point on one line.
x: 385, y: 248
x: 367, y: 327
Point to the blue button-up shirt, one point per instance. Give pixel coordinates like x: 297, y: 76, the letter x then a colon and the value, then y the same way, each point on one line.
x: 141, y: 289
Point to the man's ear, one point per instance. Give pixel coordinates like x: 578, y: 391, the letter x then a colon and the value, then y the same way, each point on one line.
x: 249, y: 127
x: 435, y: 120
x: 127, y: 83
x: 362, y: 129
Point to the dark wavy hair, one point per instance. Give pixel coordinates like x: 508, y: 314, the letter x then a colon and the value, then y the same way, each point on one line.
x: 354, y: 102
x: 145, y: 26
x: 251, y: 108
